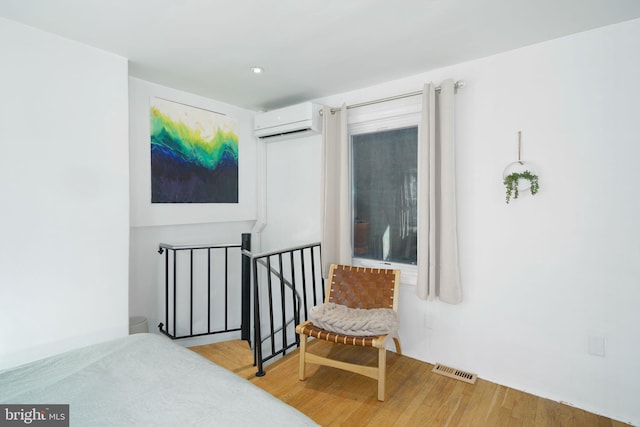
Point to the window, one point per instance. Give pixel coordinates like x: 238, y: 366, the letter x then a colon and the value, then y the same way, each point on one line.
x: 384, y: 165
x: 385, y: 195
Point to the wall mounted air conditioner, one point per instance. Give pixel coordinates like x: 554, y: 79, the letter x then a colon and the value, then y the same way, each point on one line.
x: 295, y: 121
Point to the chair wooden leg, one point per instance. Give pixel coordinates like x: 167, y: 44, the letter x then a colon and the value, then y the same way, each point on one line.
x: 303, y: 350
x: 382, y: 372
x: 397, y: 343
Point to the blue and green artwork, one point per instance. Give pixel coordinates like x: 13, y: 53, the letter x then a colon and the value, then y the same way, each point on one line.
x: 194, y: 155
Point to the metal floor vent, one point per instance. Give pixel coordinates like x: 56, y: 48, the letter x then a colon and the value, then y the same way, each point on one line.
x: 455, y: 373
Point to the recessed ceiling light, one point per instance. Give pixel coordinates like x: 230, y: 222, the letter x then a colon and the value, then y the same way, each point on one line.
x: 257, y: 70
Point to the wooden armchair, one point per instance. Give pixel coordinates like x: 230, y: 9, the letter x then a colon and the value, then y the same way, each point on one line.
x: 355, y: 287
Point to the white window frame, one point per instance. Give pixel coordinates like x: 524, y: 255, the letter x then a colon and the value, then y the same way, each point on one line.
x: 378, y: 118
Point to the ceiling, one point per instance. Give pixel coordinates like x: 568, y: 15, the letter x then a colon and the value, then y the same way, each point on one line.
x: 308, y: 49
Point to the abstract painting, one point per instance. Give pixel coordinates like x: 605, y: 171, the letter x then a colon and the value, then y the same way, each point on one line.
x: 194, y: 155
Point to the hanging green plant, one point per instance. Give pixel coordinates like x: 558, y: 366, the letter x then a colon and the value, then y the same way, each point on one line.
x: 511, y: 182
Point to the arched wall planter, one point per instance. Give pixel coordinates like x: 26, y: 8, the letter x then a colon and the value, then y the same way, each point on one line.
x: 519, y: 176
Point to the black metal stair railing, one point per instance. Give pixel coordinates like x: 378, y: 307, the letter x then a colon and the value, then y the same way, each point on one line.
x: 208, y: 290
x: 199, y: 288
x: 286, y: 284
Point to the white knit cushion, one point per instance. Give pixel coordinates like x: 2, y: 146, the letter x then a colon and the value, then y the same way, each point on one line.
x: 354, y: 321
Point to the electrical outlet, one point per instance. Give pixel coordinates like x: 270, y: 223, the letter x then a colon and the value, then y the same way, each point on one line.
x: 596, y: 346
x: 427, y: 321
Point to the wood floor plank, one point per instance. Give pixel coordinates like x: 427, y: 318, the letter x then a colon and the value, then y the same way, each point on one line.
x: 494, y: 409
x: 524, y: 407
x: 475, y: 412
x: 415, y: 396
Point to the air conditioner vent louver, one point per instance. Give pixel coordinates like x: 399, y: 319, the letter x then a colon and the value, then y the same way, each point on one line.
x: 455, y: 373
x: 297, y: 132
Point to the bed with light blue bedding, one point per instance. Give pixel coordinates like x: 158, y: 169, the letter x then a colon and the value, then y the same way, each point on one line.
x: 144, y: 380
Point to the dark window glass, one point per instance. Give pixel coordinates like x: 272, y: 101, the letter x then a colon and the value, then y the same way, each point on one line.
x: 385, y: 195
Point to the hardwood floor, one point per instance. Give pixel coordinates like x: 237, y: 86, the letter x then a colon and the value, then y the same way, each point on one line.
x: 414, y: 396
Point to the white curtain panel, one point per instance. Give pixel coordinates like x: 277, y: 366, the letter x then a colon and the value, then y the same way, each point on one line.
x: 335, y: 208
x: 438, y: 271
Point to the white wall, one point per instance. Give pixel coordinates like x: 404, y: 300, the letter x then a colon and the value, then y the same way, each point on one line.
x: 65, y: 195
x: 293, y: 193
x: 185, y: 223
x: 546, y: 272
